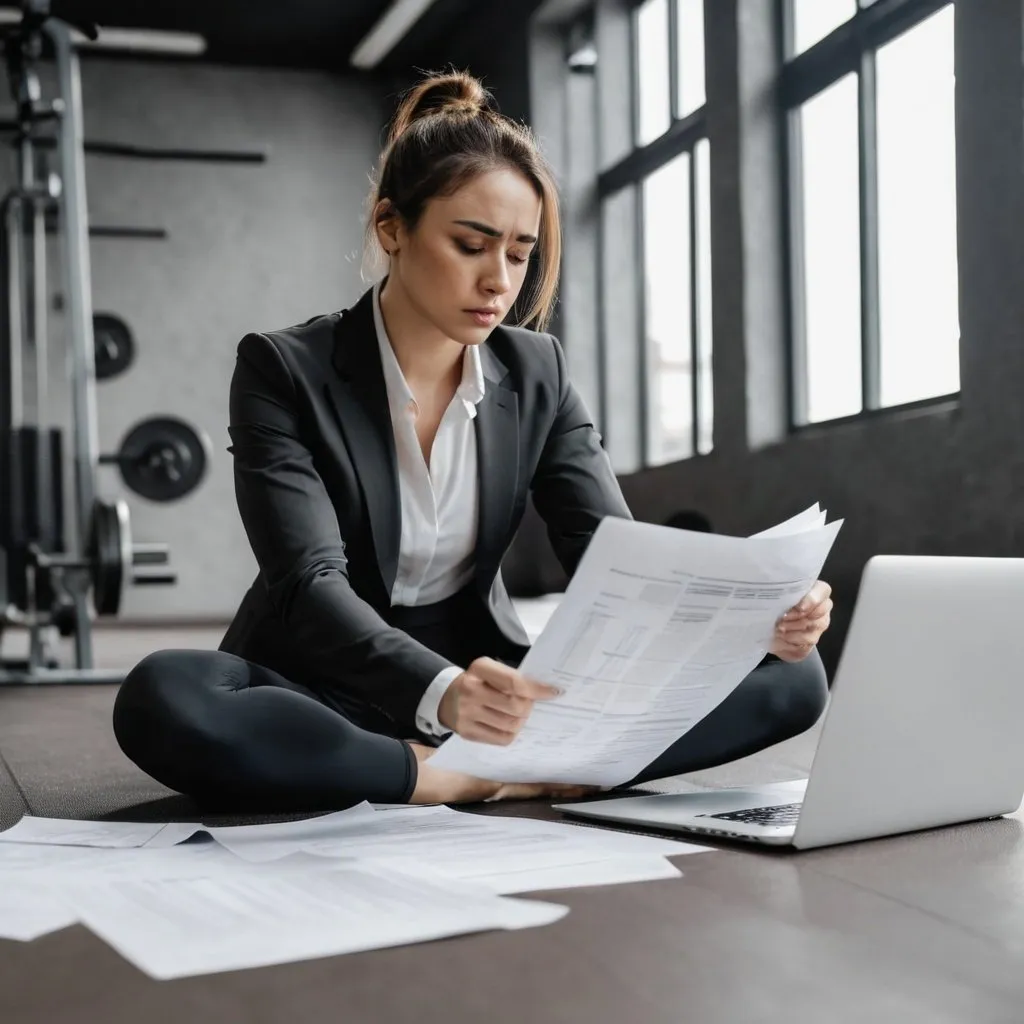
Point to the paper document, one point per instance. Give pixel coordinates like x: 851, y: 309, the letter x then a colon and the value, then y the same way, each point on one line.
x: 463, y: 845
x: 27, y: 912
x: 23, y: 863
x: 161, y: 835
x: 174, y: 929
x: 280, y: 838
x: 810, y: 519
x: 608, y: 871
x: 110, y: 834
x: 657, y: 627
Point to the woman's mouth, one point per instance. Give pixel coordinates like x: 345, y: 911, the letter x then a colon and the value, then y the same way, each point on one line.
x: 483, y: 317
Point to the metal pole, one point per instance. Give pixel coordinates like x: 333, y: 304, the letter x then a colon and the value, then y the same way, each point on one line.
x: 39, y: 318
x: 78, y: 291
x: 15, y: 294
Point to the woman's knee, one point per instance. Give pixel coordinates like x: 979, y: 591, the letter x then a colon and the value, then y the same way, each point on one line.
x: 794, y: 694
x: 145, y: 690
x: 166, y: 699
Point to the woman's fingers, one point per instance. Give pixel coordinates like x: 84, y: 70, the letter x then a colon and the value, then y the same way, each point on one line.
x: 819, y: 619
x: 505, y: 702
x: 807, y: 636
x: 498, y: 720
x: 818, y: 598
x: 482, y: 732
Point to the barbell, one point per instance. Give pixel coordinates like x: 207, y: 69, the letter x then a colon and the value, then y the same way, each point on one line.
x: 162, y: 458
x: 109, y: 558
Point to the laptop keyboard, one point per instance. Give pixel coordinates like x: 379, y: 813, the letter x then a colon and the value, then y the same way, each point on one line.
x: 781, y: 814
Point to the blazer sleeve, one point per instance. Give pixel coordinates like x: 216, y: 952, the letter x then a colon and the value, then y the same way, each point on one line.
x: 574, y: 486
x: 293, y: 529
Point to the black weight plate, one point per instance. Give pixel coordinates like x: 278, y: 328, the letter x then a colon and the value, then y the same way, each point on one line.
x: 163, y: 458
x: 115, y: 346
x: 109, y: 555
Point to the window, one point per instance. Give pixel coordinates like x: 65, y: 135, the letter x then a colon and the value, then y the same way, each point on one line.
x: 666, y: 245
x: 815, y: 19
x: 689, y: 56
x: 917, y: 267
x: 667, y: 300
x: 831, y: 251
x: 873, y: 265
x: 653, y: 93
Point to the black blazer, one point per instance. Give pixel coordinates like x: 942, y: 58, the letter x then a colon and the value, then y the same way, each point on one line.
x: 317, y: 486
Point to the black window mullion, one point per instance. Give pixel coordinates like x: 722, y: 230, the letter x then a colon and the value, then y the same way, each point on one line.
x: 786, y: 17
x: 811, y: 72
x: 869, y: 312
x: 793, y: 228
x: 695, y: 366
x: 681, y: 137
x: 602, y: 328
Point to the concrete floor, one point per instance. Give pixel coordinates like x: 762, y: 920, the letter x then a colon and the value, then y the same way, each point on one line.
x: 926, y: 927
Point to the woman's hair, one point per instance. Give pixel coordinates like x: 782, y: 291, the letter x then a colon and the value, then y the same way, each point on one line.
x: 447, y: 131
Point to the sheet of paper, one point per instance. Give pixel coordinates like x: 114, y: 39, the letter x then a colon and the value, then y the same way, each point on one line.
x: 609, y: 871
x: 809, y: 519
x: 150, y: 835
x: 466, y: 845
x: 26, y: 863
x: 108, y: 834
x: 657, y: 627
x: 201, y: 926
x: 27, y: 912
x: 277, y: 839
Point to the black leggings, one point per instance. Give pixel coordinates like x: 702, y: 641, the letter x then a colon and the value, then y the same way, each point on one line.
x: 237, y: 736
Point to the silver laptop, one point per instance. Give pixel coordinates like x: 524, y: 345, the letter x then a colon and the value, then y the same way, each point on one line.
x: 923, y: 726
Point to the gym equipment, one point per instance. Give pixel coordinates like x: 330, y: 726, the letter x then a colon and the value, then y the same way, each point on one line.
x: 121, y: 149
x: 60, y: 565
x: 115, y: 346
x: 109, y: 556
x: 162, y: 458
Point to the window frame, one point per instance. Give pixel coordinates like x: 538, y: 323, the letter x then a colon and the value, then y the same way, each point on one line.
x: 849, y: 49
x: 631, y: 172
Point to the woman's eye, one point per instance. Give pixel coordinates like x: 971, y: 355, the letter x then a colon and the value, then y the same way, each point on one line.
x: 470, y: 250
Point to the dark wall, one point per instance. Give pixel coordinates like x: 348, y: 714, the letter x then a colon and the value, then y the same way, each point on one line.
x: 493, y: 43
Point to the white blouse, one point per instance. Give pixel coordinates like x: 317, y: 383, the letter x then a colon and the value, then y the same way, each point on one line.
x: 439, y: 502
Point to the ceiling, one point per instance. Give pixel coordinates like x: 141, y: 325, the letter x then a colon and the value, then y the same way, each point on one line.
x: 284, y: 33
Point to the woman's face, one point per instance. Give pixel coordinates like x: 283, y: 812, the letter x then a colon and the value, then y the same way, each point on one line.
x: 463, y: 265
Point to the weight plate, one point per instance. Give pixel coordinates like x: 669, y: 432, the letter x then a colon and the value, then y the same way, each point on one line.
x: 115, y: 346
x: 163, y: 458
x: 110, y: 554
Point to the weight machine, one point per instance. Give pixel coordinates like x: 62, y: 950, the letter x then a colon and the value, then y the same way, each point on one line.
x: 47, y: 583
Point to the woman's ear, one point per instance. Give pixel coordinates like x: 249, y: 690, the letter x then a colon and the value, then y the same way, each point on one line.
x: 388, y: 224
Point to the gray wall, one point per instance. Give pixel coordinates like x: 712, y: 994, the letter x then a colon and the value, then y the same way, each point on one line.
x: 251, y: 247
x: 942, y: 481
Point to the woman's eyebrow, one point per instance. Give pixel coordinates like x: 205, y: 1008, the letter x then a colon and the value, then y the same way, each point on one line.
x: 485, y: 229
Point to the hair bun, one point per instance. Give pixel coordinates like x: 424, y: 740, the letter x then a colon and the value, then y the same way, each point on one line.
x: 456, y: 93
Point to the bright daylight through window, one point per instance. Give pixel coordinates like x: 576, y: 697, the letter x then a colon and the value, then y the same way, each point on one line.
x: 874, y: 256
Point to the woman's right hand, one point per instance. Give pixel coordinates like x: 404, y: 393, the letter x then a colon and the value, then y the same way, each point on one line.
x: 490, y: 702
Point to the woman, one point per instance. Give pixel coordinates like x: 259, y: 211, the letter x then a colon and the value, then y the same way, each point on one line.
x: 383, y: 457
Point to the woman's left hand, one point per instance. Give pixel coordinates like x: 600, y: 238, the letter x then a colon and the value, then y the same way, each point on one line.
x: 799, y: 630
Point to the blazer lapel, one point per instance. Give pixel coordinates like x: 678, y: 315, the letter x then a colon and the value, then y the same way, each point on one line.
x: 360, y: 400
x: 497, y: 438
